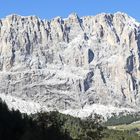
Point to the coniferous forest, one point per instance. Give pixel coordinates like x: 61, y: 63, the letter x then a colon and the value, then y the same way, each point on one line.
x: 55, y: 126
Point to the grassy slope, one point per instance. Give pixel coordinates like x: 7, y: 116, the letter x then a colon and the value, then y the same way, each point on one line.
x: 125, y: 126
x: 133, y: 126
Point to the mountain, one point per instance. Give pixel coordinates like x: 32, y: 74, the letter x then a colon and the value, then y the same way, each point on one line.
x: 75, y: 65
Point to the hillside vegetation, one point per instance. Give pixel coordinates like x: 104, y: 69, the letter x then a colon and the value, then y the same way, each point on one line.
x: 55, y: 126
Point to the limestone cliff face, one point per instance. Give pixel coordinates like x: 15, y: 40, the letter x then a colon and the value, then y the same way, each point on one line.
x: 68, y: 63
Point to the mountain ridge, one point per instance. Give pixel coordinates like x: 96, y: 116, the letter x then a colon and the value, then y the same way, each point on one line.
x: 71, y: 63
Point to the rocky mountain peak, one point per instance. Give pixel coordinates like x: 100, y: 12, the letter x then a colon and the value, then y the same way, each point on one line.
x: 73, y: 16
x: 71, y: 63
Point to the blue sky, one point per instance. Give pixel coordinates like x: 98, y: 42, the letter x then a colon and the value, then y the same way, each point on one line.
x: 47, y: 9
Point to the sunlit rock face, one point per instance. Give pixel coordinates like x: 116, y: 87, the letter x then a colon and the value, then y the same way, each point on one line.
x: 73, y: 62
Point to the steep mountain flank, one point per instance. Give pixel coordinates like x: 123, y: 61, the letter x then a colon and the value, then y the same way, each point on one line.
x: 71, y: 63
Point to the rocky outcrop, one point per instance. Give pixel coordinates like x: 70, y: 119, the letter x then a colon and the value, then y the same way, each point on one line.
x: 73, y: 62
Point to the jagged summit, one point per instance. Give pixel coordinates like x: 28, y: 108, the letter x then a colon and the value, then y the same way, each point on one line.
x: 74, y: 16
x: 71, y: 63
x: 20, y: 16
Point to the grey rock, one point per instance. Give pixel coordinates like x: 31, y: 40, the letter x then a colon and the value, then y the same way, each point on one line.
x: 69, y: 63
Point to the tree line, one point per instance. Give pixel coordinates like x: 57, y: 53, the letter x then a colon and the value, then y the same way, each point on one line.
x: 53, y: 126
